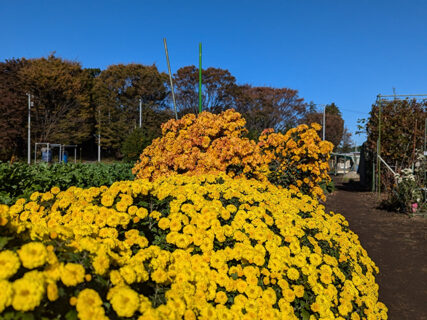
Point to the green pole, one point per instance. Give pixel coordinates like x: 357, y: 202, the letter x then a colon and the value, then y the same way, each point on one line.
x: 200, y: 77
x: 379, y: 147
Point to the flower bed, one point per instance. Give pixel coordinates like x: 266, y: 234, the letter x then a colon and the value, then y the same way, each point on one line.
x: 205, y: 246
x: 216, y: 226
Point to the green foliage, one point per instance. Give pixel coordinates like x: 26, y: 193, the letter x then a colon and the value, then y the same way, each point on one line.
x: 118, y: 90
x: 138, y: 140
x: 332, y: 109
x: 19, y: 180
x: 327, y: 186
x: 133, y: 144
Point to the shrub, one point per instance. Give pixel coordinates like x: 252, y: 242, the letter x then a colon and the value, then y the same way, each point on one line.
x: 136, y: 141
x: 402, y: 134
x: 215, y: 143
x: 407, y: 194
x: 204, y: 246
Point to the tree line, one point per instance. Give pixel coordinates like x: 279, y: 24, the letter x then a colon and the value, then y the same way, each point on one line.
x: 72, y: 104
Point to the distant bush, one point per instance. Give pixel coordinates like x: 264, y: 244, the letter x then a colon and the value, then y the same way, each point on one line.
x: 136, y: 142
x: 19, y: 180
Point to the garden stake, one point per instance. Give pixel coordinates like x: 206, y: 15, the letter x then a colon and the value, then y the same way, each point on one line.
x: 200, y: 77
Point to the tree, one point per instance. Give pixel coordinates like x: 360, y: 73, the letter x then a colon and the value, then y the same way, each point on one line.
x: 118, y: 90
x: 217, y: 89
x: 402, y: 131
x: 266, y: 107
x: 61, y: 108
x: 13, y: 109
x: 346, y: 144
x: 332, y: 109
x: 139, y: 138
x: 334, y: 128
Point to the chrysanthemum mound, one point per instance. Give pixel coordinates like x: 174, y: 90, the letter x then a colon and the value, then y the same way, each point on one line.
x: 187, y: 247
x: 209, y: 143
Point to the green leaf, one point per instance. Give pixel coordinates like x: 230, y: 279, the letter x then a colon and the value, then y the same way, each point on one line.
x: 4, y: 241
x: 27, y: 316
x: 71, y: 315
x: 305, y: 315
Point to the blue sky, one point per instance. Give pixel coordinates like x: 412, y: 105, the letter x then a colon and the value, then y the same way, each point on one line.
x: 339, y: 51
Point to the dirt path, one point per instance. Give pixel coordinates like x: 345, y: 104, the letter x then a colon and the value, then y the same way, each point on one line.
x: 396, y: 243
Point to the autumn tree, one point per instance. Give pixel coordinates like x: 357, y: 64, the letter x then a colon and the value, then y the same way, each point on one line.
x: 118, y: 90
x: 267, y: 107
x: 13, y: 109
x: 217, y: 89
x: 61, y: 109
x: 334, y: 128
x: 262, y: 107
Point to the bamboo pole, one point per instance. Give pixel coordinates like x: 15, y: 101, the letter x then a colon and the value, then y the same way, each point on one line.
x: 170, y: 78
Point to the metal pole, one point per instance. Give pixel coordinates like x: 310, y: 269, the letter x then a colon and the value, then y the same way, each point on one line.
x: 170, y: 78
x: 75, y: 154
x: 324, y: 121
x: 99, y: 135
x: 29, y: 129
x: 140, y: 113
x: 200, y: 77
x: 373, y: 176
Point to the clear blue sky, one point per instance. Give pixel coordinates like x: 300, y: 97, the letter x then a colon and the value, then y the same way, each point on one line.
x: 330, y: 51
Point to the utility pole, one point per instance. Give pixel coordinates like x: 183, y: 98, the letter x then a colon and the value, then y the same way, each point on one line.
x: 140, y: 113
x: 29, y: 128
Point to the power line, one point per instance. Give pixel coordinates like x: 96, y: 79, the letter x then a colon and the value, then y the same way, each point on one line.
x: 348, y: 110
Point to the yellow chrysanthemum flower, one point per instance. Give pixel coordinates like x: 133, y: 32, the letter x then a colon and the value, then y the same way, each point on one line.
x: 26, y: 295
x: 72, y: 274
x: 6, y: 294
x: 9, y: 264
x: 124, y: 301
x: 33, y: 255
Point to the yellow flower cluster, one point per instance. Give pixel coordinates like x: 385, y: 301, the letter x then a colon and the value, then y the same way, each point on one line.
x: 200, y: 144
x: 187, y: 247
x: 28, y: 287
x: 299, y: 158
x: 210, y: 143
